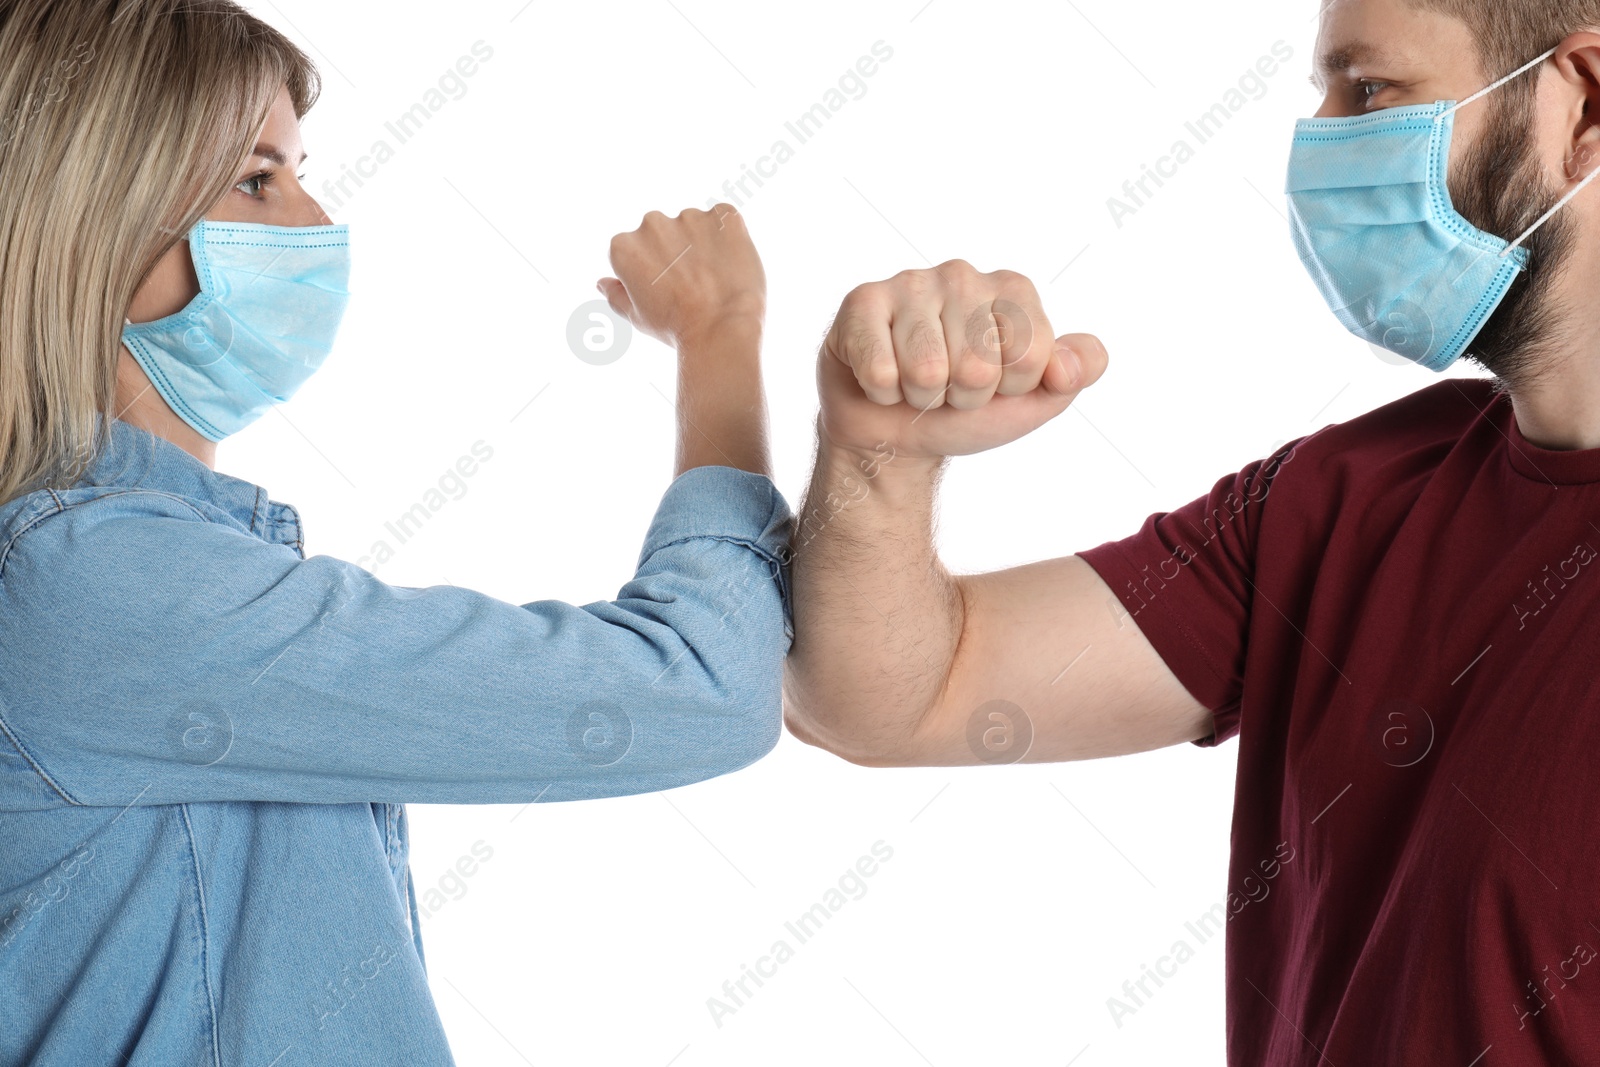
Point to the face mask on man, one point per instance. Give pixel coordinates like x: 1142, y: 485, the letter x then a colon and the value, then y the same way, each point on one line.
x: 1373, y: 222
x: 270, y: 303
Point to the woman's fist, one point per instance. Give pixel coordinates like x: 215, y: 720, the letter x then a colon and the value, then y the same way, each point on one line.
x: 680, y: 278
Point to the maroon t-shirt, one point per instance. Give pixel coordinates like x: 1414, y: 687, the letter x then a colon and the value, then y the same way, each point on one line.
x: 1399, y: 618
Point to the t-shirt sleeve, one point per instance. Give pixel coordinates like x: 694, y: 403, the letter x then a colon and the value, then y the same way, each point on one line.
x: 1187, y: 579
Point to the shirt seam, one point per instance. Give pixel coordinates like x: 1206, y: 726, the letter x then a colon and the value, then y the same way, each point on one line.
x: 775, y: 564
x: 1517, y: 458
x: 205, y: 938
x: 5, y: 556
x: 62, y: 508
x: 38, y: 768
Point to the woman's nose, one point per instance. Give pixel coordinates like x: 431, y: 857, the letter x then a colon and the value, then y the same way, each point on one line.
x: 309, y: 209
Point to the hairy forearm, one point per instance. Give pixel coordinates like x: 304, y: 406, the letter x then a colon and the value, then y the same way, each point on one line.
x: 722, y: 411
x: 877, y: 616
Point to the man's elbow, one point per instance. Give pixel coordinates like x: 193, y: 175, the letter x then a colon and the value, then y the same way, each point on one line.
x: 854, y: 738
x: 846, y: 749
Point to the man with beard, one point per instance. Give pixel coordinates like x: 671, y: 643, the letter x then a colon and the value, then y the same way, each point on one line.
x: 1396, y: 616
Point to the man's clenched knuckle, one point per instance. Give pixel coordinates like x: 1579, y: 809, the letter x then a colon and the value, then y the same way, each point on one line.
x: 958, y: 272
x: 878, y: 375
x: 925, y: 342
x: 862, y: 343
x: 974, y: 372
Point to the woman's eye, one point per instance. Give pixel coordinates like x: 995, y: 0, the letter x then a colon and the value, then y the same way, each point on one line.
x: 253, y: 185
x: 259, y: 181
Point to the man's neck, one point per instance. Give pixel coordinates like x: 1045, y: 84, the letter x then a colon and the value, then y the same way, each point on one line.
x: 1558, y: 405
x: 1559, y: 414
x: 138, y: 404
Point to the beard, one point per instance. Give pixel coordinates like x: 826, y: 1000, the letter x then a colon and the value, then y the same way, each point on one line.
x: 1500, y: 188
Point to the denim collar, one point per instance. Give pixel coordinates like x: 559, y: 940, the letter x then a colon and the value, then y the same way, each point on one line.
x: 131, y: 458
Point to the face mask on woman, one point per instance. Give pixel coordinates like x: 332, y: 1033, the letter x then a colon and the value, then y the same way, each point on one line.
x: 270, y: 304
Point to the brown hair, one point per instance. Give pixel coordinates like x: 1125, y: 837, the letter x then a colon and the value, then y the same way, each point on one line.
x: 121, y: 123
x: 1510, y: 33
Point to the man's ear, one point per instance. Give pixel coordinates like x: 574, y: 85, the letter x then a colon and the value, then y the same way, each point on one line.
x: 1578, y: 62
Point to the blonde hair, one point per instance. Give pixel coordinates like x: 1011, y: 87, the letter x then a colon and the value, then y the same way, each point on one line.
x: 122, y: 122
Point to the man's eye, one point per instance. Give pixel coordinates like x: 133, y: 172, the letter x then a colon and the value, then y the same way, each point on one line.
x: 1369, y: 89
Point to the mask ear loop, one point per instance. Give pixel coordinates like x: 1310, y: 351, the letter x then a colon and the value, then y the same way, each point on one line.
x: 1563, y: 202
x: 1513, y: 76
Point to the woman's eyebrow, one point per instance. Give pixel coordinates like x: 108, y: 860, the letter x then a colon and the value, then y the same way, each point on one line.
x: 269, y: 152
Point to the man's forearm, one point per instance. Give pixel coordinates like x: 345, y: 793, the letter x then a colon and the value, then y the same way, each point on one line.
x: 722, y: 412
x: 877, y: 616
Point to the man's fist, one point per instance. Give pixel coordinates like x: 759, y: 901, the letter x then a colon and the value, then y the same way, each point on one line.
x: 680, y: 279
x: 947, y: 362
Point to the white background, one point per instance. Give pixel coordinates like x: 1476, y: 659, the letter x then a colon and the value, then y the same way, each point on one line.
x: 1019, y: 899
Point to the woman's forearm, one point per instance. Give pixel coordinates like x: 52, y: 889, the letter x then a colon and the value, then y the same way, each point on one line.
x: 722, y: 411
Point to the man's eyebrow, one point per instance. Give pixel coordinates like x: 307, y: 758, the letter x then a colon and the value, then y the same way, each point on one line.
x: 1341, y: 58
x: 270, y: 152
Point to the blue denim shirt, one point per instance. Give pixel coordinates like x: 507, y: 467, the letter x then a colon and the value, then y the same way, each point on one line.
x: 206, y: 739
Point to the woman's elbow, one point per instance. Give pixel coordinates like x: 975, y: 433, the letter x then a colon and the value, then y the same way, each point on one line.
x: 755, y: 725
x: 733, y: 728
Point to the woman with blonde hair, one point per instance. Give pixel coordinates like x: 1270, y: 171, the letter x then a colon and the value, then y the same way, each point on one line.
x: 206, y: 736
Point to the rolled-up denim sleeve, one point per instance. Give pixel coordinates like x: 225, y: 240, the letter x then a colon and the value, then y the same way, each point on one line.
x: 156, y: 657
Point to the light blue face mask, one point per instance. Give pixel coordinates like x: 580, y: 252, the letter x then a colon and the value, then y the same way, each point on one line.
x: 1373, y: 222
x: 270, y: 303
